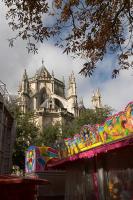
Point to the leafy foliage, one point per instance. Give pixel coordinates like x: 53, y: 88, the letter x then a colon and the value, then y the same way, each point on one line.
x: 86, y: 28
x: 89, y: 116
x: 49, y: 135
x: 25, y: 17
x: 26, y: 135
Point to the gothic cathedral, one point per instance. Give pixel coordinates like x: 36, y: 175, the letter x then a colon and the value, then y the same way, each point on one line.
x: 45, y: 95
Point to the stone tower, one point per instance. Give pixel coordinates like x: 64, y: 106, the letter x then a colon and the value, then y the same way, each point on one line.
x: 81, y: 106
x: 72, y: 95
x: 96, y: 99
x: 24, y: 93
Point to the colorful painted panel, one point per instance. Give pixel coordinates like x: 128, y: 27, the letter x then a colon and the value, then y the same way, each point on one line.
x: 30, y: 160
x: 37, y: 158
x: 88, y: 138
x: 114, y: 128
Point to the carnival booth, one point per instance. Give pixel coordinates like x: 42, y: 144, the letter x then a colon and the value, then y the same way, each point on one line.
x: 97, y: 163
x: 99, y: 160
x: 36, y: 164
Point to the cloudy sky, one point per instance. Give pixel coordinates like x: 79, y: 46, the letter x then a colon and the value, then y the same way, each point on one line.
x: 115, y: 93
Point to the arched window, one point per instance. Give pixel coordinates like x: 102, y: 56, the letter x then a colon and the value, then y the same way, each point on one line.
x: 42, y: 96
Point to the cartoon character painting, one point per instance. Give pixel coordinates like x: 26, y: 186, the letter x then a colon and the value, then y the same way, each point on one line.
x: 114, y: 128
x: 129, y: 116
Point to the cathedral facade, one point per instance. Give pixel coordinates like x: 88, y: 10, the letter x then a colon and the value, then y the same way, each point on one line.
x: 47, y: 97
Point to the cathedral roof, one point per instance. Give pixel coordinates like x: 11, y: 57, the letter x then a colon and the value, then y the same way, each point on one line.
x: 42, y: 71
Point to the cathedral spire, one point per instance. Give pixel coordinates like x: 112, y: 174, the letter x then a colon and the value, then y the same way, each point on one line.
x: 72, y: 85
x: 24, y: 92
x: 81, y: 106
x: 52, y: 73
x: 25, y: 77
x: 81, y: 103
x: 71, y: 94
x: 42, y: 62
x: 72, y: 77
x: 98, y: 94
x: 25, y: 82
x: 96, y: 99
x: 63, y: 80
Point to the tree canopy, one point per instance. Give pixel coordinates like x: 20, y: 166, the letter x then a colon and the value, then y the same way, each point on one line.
x: 86, y: 28
x: 27, y: 134
x: 49, y: 135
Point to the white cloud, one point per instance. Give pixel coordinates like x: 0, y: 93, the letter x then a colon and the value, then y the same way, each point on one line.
x: 116, y: 93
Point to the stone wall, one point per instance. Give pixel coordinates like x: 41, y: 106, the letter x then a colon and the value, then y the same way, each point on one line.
x: 7, y: 135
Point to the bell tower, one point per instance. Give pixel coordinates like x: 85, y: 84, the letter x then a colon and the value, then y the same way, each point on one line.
x: 96, y: 99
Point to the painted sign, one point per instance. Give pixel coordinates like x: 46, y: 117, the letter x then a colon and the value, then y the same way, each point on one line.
x: 114, y: 128
x: 37, y: 158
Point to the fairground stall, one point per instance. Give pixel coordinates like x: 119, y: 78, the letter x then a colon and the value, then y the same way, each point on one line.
x: 36, y: 164
x: 99, y: 160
